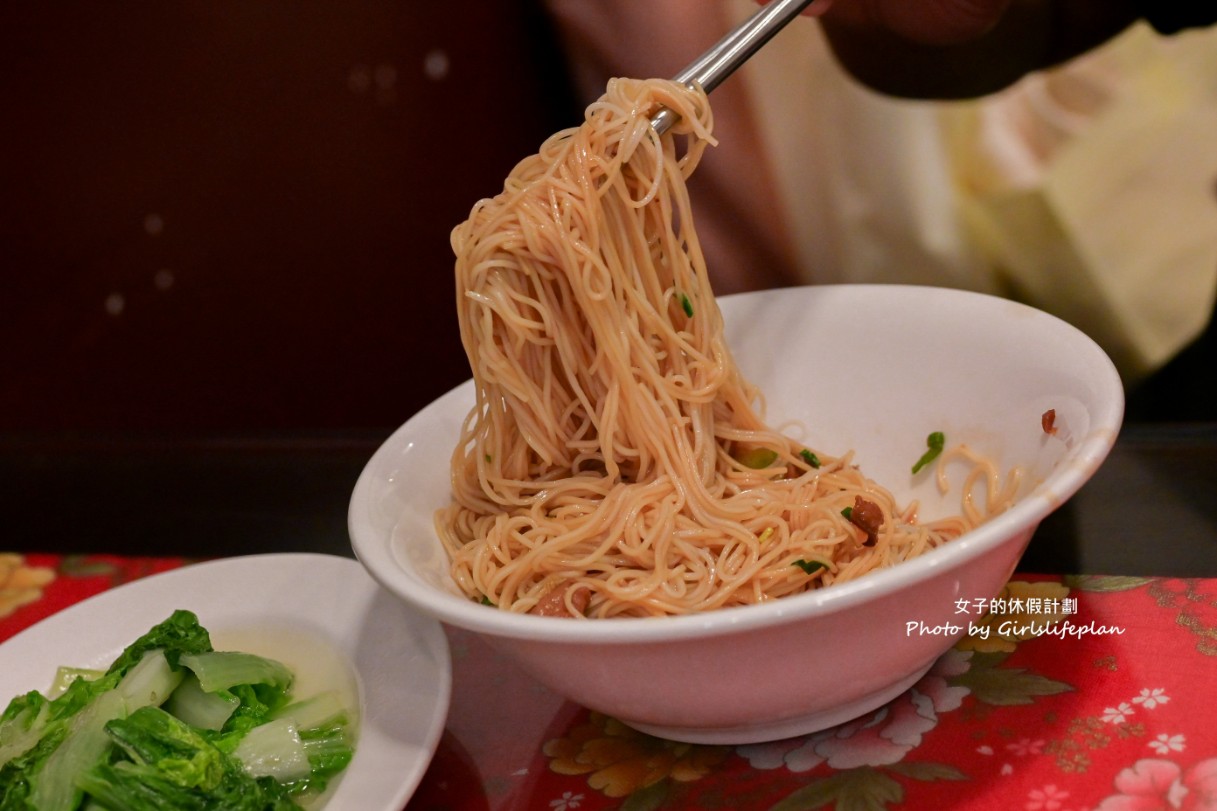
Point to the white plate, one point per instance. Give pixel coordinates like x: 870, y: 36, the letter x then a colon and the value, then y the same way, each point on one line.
x: 322, y: 611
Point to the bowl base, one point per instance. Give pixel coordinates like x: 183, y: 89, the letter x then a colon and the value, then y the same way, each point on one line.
x: 785, y: 728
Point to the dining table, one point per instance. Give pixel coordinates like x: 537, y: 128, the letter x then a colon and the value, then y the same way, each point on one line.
x: 1088, y: 687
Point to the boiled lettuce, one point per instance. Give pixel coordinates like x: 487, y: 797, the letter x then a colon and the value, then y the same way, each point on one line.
x: 171, y: 724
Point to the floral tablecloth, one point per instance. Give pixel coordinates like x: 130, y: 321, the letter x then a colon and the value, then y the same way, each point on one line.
x: 1064, y: 694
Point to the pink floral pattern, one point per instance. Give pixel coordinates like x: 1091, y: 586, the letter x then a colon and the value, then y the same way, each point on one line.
x: 1048, y: 798
x: 881, y: 738
x: 1162, y: 785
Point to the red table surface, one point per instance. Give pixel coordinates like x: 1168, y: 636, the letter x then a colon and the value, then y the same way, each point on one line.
x: 1112, y: 709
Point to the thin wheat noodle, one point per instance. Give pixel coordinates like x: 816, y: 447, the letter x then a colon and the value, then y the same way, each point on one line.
x: 607, y: 456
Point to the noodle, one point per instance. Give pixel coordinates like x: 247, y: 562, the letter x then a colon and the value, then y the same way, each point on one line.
x: 614, y: 462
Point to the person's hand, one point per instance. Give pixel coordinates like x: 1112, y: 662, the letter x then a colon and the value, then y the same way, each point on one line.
x: 962, y: 48
x: 927, y: 22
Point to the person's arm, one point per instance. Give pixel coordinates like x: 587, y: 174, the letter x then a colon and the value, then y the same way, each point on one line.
x: 964, y: 48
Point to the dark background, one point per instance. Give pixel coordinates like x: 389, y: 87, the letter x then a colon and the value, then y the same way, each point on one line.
x: 234, y: 216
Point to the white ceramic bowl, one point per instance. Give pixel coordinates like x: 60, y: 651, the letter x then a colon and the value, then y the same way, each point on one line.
x: 873, y: 368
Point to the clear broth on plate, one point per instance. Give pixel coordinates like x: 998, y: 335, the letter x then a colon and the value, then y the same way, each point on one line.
x: 317, y: 663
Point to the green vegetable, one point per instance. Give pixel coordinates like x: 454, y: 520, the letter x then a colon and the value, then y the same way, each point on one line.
x: 22, y: 725
x: 329, y: 750
x: 69, y: 730
x: 756, y: 458
x: 810, y: 458
x: 223, y: 670
x: 53, y: 787
x: 936, y: 441
x: 180, y: 633
x: 171, y: 724
x: 686, y: 305
x: 257, y: 705
x: 169, y: 764
x: 809, y: 566
x: 274, y: 749
x: 324, y: 728
x: 848, y: 512
x: 199, y: 708
x: 322, y: 710
x: 64, y: 677
x: 85, y: 743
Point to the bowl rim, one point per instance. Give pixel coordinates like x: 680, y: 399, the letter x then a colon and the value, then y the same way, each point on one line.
x: 1022, y: 518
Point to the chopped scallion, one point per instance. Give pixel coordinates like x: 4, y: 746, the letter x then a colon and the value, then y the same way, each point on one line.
x: 686, y: 305
x: 935, y: 442
x: 810, y: 458
x: 809, y: 566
